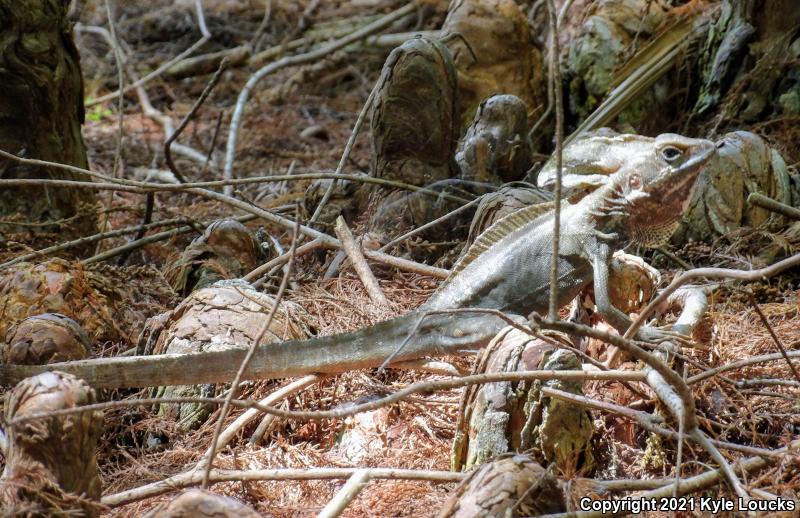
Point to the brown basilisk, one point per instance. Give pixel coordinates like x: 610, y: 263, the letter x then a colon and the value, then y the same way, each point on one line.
x: 507, y: 268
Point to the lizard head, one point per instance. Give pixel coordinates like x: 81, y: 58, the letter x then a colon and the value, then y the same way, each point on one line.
x: 657, y: 187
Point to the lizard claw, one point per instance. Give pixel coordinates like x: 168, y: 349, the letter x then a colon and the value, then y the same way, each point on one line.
x: 653, y: 336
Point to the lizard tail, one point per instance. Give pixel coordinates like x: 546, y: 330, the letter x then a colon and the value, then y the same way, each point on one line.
x: 360, y: 349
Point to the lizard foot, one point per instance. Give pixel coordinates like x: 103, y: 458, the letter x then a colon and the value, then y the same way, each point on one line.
x: 656, y: 335
x: 653, y: 336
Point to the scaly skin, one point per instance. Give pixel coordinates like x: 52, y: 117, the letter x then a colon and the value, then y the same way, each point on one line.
x: 512, y: 275
x: 639, y: 204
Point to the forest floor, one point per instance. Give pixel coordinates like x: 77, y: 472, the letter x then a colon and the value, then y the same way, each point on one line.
x: 417, y: 433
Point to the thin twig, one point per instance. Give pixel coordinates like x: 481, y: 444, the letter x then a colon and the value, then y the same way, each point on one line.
x: 360, y: 264
x: 213, y: 144
x: 121, y: 80
x: 144, y: 100
x: 710, y: 273
x: 150, y: 200
x: 161, y: 236
x: 346, y: 153
x: 246, y: 361
x: 195, y: 107
x: 133, y: 186
x: 143, y: 187
x: 120, y: 62
x: 670, y: 388
x: 280, y: 260
x: 219, y: 475
x: 555, y: 78
x: 88, y: 239
x: 428, y: 225
x: 739, y: 364
x: 348, y: 410
x: 774, y: 336
x: 649, y: 422
x: 149, y: 205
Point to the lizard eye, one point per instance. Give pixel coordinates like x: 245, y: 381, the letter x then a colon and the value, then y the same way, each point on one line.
x: 670, y: 153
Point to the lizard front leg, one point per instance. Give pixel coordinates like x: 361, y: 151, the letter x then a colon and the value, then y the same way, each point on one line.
x: 602, y: 299
x: 611, y: 314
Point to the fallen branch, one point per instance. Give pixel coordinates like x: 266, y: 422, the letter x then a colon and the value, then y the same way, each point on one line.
x: 670, y: 388
x: 426, y: 386
x: 144, y: 187
x: 133, y: 186
x: 89, y: 239
x: 759, y: 200
x: 349, y: 491
x: 161, y: 236
x: 649, y: 422
x: 206, y: 35
x: 212, y: 450
x: 227, y: 435
x: 221, y: 475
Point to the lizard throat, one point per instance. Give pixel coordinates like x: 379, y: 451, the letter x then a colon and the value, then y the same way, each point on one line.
x: 654, y: 236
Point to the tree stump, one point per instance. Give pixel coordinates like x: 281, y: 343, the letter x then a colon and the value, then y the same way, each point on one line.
x: 51, y: 467
x: 41, y: 112
x: 196, y: 503
x: 511, y: 486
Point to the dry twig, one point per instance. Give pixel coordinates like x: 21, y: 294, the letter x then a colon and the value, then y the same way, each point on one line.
x: 359, y: 263
x: 249, y: 356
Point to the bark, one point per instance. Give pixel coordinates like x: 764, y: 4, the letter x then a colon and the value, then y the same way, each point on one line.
x: 51, y: 467
x: 495, y: 53
x: 196, y: 503
x: 226, y: 250
x: 229, y: 314
x: 45, y: 338
x: 41, y: 112
x: 511, y: 486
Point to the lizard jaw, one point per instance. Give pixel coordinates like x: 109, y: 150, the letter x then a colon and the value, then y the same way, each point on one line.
x: 655, y: 213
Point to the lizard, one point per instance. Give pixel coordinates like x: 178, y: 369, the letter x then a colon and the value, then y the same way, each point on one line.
x: 506, y: 269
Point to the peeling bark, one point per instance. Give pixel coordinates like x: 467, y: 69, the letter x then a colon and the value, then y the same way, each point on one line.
x: 47, y: 338
x: 226, y: 250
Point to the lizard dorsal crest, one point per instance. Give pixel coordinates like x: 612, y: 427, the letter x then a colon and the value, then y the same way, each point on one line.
x: 497, y: 231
